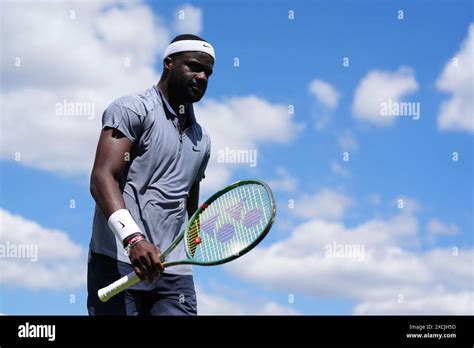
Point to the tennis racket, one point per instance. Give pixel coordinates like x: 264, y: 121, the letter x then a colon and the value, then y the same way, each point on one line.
x: 225, y: 227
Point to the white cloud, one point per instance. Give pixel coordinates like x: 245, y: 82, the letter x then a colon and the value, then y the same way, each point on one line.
x: 89, y: 50
x: 326, y: 204
x: 422, y: 303
x: 457, y: 78
x: 327, y: 99
x: 407, y: 205
x: 258, y: 122
x: 324, y: 93
x: 304, y: 253
x: 82, y: 60
x: 379, y: 87
x: 370, y: 263
x: 338, y: 169
x: 50, y: 259
x: 436, y: 227
x: 242, y: 123
x: 347, y: 141
x: 188, y: 20
x: 122, y: 30
x: 216, y: 304
x: 285, y: 181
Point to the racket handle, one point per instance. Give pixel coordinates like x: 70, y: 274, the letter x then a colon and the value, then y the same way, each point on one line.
x: 118, y: 286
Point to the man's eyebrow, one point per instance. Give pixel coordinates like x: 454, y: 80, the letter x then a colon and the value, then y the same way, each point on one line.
x: 198, y: 62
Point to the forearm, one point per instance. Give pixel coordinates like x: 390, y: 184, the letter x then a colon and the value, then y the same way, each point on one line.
x: 106, y: 192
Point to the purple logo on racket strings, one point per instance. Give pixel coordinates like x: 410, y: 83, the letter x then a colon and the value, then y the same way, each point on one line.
x: 252, y: 218
x: 227, y: 231
x: 209, y: 225
x: 236, y: 210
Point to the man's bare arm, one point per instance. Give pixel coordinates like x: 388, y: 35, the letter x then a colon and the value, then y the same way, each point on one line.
x: 193, y: 200
x: 110, y: 161
x: 108, y: 166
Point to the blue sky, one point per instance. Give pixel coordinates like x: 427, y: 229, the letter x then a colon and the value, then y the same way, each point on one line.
x: 422, y: 252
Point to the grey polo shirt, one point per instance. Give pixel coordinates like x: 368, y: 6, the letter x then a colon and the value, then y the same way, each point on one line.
x: 163, y: 166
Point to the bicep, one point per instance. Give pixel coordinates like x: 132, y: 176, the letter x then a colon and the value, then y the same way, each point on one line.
x: 113, y: 152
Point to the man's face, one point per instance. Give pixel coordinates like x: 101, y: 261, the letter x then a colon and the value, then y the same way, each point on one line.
x: 189, y: 74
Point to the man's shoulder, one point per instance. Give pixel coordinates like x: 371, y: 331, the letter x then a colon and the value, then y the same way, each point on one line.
x: 141, y: 103
x: 204, y: 134
x: 201, y: 130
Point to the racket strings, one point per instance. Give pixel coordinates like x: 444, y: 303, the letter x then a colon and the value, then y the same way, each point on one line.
x: 193, y: 234
x: 230, y: 223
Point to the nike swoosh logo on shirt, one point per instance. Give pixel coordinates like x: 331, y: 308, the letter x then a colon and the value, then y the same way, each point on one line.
x: 195, y: 148
x: 121, y: 223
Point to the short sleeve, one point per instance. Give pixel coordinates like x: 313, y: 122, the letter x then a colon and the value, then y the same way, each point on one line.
x: 124, y: 119
x: 202, y: 169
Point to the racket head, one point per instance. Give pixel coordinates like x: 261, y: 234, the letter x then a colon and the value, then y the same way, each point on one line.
x: 230, y: 223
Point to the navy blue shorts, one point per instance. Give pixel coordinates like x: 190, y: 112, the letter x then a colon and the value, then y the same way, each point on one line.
x: 170, y: 294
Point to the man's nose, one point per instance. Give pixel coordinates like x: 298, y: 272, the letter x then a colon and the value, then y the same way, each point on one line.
x: 202, y: 77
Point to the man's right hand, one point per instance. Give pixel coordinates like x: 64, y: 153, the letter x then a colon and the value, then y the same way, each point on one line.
x: 145, y: 258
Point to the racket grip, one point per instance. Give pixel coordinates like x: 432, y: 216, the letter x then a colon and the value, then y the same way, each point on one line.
x: 118, y: 286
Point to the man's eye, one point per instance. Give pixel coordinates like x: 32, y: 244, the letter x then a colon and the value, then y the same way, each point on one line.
x: 194, y: 67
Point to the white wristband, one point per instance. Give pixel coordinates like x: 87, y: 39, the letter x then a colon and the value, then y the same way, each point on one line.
x: 122, y: 224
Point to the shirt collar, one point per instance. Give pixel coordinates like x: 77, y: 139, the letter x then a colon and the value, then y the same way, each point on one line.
x: 163, y: 98
x: 170, y: 109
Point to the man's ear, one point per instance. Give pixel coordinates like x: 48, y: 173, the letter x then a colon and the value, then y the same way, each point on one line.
x: 167, y: 63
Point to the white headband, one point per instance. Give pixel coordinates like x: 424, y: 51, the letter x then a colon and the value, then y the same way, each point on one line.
x: 190, y: 46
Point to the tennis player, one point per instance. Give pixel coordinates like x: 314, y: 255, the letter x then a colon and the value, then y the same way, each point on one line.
x: 152, y: 155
